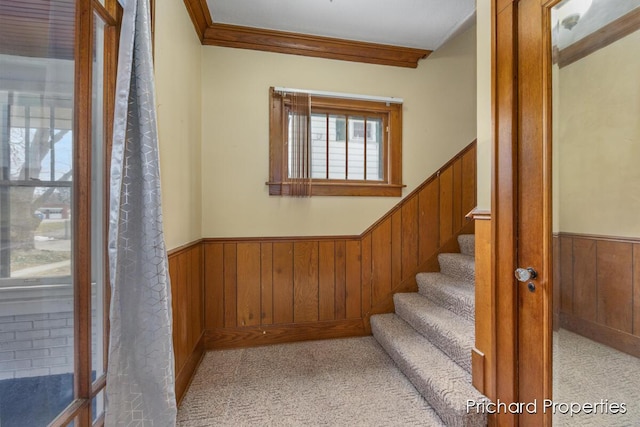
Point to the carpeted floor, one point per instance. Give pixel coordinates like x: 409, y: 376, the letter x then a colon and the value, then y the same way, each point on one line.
x: 352, y: 382
x: 585, y: 371
x: 345, y: 382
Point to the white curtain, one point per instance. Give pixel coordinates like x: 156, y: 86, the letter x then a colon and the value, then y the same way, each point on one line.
x: 140, y: 377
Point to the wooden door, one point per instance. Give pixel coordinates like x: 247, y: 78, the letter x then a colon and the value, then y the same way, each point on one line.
x: 522, y: 208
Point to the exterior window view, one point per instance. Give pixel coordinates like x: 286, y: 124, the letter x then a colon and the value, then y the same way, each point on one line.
x: 47, y: 358
x: 36, y: 238
x: 340, y: 149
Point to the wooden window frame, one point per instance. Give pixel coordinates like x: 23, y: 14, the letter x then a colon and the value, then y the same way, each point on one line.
x: 390, y: 186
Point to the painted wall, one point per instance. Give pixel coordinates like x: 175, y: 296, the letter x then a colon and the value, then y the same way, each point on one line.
x: 439, y: 116
x: 599, y: 142
x: 178, y: 86
x: 484, y: 121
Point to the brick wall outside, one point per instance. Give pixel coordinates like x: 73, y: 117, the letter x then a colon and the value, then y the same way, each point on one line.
x: 36, y: 334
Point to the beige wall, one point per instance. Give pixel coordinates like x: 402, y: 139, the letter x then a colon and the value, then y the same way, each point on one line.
x: 599, y: 142
x: 178, y: 86
x: 439, y: 120
x: 484, y: 121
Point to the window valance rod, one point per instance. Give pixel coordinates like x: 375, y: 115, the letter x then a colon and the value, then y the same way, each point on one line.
x: 391, y: 100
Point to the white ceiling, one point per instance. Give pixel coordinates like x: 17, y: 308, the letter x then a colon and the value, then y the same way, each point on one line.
x: 600, y: 13
x: 423, y: 24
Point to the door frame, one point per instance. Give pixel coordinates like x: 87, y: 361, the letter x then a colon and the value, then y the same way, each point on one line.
x: 521, y: 207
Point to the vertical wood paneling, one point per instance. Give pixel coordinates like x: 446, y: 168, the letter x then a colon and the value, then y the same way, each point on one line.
x: 185, y: 262
x: 248, y: 284
x: 214, y: 285
x: 282, y: 282
x: 266, y: 283
x: 446, y: 205
x: 196, y: 296
x: 410, y: 236
x: 366, y: 273
x: 429, y: 221
x: 456, y: 214
x: 353, y: 277
x: 327, y: 280
x: 396, y: 246
x: 178, y: 316
x: 183, y: 307
x: 556, y: 281
x: 305, y: 282
x: 566, y: 275
x: 341, y: 281
x: 606, y: 292
x: 615, y: 285
x: 381, y: 260
x: 636, y: 289
x: 230, y: 285
x: 296, y: 282
x: 469, y: 181
x: 584, y: 279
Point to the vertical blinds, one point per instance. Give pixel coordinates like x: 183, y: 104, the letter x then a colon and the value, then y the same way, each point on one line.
x: 299, y: 144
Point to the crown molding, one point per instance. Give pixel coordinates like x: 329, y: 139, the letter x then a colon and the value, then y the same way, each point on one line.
x: 235, y: 36
x: 200, y: 15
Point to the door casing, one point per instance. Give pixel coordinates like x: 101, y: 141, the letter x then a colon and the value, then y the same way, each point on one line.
x: 521, y: 207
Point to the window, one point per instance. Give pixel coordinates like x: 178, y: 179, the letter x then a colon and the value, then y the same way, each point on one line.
x: 353, y: 147
x: 56, y: 101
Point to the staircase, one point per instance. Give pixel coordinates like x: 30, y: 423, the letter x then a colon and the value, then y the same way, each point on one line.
x: 431, y: 334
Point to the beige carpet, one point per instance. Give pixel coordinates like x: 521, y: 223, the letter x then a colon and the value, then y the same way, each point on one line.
x: 346, y: 382
x: 588, y: 372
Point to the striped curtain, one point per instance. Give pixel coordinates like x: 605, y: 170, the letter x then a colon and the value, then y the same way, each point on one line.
x: 299, y: 145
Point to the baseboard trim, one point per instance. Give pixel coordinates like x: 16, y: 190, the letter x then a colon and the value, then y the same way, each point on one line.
x: 188, y: 370
x: 224, y: 338
x: 614, y: 338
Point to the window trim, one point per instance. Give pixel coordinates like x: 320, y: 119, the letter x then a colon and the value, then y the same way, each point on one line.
x: 391, y: 186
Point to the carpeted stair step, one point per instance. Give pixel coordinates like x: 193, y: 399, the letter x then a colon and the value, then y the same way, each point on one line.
x: 449, y: 292
x: 444, y: 385
x: 451, y: 333
x: 467, y: 244
x: 458, y: 265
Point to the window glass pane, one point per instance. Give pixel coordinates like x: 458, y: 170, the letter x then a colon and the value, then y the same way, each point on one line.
x: 36, y: 151
x: 337, y: 147
x: 97, y: 406
x: 97, y: 202
x: 355, y: 148
x: 319, y: 146
x: 375, y: 149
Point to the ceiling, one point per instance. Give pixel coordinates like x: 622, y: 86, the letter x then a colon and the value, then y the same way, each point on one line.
x: 598, y: 15
x: 422, y: 24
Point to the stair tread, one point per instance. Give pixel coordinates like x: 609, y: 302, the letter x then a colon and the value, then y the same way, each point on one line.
x: 451, y: 333
x: 444, y: 385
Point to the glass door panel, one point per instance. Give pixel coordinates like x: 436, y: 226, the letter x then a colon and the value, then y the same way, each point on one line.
x: 37, y: 69
x: 596, y: 201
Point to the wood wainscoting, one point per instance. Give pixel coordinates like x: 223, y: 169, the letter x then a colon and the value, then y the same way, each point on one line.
x: 273, y: 290
x: 187, y: 301
x: 244, y: 292
x: 599, y: 292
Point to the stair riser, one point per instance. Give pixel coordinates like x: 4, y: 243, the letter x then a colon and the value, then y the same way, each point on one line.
x: 458, y: 304
x: 459, y: 267
x: 467, y: 243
